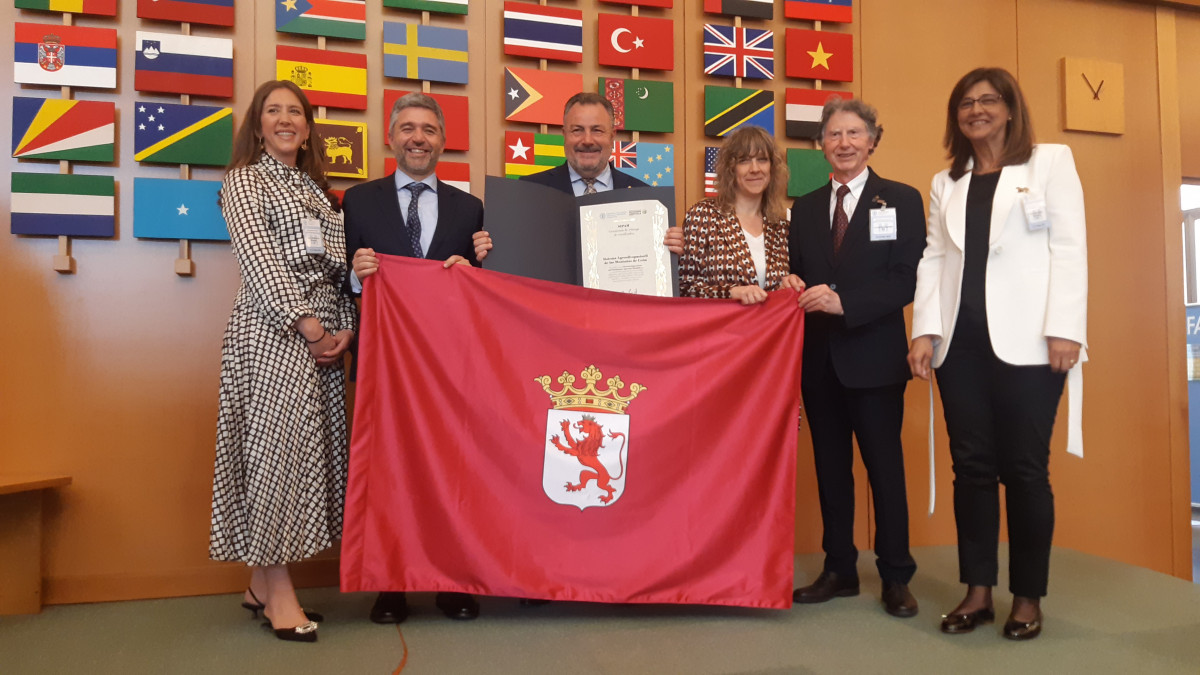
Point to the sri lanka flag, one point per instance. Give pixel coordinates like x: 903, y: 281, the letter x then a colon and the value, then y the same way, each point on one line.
x: 65, y: 56
x: 183, y: 64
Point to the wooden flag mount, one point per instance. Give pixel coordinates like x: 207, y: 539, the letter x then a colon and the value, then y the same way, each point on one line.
x: 63, y: 262
x: 184, y: 266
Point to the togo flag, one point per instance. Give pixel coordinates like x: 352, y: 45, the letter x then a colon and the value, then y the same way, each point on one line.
x: 63, y: 204
x: 183, y: 64
x: 59, y: 129
x: 172, y: 208
x: 346, y: 19
x: 173, y: 133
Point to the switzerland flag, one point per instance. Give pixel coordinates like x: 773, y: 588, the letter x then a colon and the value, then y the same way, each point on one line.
x: 636, y: 42
x: 523, y: 438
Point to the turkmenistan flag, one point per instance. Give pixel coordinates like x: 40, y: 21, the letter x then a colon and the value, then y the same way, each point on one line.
x: 808, y: 170
x: 345, y: 19
x: 173, y: 133
x: 527, y: 153
x: 442, y: 6
x: 57, y: 204
x: 640, y: 105
x: 727, y: 108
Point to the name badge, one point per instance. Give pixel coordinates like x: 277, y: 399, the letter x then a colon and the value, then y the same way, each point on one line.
x: 314, y: 243
x: 1035, y: 213
x: 883, y: 224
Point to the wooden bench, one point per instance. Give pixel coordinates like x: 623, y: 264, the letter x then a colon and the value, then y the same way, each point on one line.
x: 21, y: 497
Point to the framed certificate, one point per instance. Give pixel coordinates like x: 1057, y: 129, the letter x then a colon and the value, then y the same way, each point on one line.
x: 621, y: 247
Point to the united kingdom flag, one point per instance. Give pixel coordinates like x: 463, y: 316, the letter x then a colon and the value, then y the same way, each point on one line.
x: 624, y: 155
x: 731, y: 51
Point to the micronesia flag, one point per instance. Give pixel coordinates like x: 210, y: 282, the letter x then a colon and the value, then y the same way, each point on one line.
x: 183, y: 64
x: 543, y: 32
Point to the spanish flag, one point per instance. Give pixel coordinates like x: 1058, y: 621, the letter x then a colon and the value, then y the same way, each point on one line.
x: 329, y: 78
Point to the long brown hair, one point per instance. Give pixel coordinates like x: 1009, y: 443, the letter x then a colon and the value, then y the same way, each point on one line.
x: 248, y: 148
x: 751, y: 141
x: 1018, y: 137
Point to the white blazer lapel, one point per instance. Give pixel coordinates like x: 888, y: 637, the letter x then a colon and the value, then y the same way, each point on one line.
x: 1007, y: 197
x: 956, y: 210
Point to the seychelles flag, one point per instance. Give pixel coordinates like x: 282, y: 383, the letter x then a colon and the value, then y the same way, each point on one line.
x: 183, y: 64
x: 61, y: 129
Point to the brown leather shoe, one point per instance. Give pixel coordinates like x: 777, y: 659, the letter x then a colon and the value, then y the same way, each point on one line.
x: 899, y: 601
x: 829, y: 585
x: 966, y: 622
x: 1023, y: 630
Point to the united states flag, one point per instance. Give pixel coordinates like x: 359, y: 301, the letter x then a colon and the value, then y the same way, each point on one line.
x: 731, y: 51
x: 624, y: 155
x: 710, y: 171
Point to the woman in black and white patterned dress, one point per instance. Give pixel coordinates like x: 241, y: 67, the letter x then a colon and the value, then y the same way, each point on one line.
x: 280, y: 476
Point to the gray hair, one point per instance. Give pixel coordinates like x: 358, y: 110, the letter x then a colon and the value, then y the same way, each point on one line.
x: 416, y: 99
x: 867, y: 113
x: 591, y: 98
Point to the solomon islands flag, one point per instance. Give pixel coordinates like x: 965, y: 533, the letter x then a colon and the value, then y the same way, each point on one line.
x: 173, y: 133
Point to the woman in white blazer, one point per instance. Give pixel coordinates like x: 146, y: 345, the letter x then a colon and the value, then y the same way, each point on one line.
x: 1001, y: 313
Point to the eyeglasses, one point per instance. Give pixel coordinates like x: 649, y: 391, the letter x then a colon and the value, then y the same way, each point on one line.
x: 849, y: 134
x: 987, y: 101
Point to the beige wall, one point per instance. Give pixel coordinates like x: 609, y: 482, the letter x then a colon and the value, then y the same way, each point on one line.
x: 111, y: 373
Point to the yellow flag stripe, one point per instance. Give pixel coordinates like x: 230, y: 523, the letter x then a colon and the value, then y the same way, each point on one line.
x: 415, y: 52
x: 733, y: 126
x: 540, y: 150
x: 333, y: 79
x: 525, y: 169
x: 211, y: 119
x: 49, y: 113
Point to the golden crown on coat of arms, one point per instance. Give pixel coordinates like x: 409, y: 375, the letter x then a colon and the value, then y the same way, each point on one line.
x: 608, y: 400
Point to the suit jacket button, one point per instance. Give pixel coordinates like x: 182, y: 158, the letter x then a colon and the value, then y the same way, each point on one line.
x: 997, y: 250
x: 833, y: 287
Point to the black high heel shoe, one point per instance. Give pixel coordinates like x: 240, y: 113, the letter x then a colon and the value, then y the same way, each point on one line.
x: 305, y: 632
x: 258, y: 606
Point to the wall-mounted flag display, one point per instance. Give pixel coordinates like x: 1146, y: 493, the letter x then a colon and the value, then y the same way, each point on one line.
x: 346, y: 19
x: 173, y: 133
x: 528, y: 152
x: 807, y: 171
x: 438, y: 6
x: 710, y: 170
x: 418, y: 52
x: 63, y: 129
x: 183, y: 64
x: 643, y: 3
x: 739, y: 52
x: 101, y: 7
x: 727, y: 108
x: 651, y: 163
x: 640, y: 105
x: 328, y: 78
x: 65, y: 56
x: 457, y: 174
x: 837, y: 11
x: 343, y: 148
x: 820, y: 55
x: 538, y: 96
x: 803, y: 110
x: 172, y: 208
x: 543, y: 32
x: 454, y: 108
x: 211, y: 12
x: 754, y: 9
x: 636, y: 42
x: 63, y: 204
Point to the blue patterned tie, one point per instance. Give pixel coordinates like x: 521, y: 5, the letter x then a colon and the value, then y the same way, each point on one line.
x: 413, y: 222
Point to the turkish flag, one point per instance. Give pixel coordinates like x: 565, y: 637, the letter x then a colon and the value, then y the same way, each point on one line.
x: 523, y: 438
x: 819, y: 55
x: 636, y: 42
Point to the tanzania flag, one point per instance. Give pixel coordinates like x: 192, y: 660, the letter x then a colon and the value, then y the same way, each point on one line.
x: 172, y: 208
x: 65, y: 56
x: 527, y: 153
x: 63, y: 204
x: 807, y: 171
x: 612, y: 453
x: 538, y: 96
x: 63, y: 129
x: 346, y: 19
x: 641, y: 105
x: 329, y: 78
x: 455, y: 109
x: 820, y: 55
x: 343, y: 148
x: 652, y: 163
x: 755, y: 9
x: 173, y: 133
x: 417, y: 52
x: 803, y: 110
x: 440, y: 6
x: 727, y: 108
x: 183, y: 64
x: 210, y: 12
x: 101, y: 7
x: 837, y: 11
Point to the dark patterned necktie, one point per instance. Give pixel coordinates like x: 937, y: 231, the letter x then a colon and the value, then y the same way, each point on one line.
x: 413, y: 222
x: 841, y: 222
x: 589, y: 186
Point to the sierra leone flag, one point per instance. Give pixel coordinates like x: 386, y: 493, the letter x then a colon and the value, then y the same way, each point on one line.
x: 63, y: 204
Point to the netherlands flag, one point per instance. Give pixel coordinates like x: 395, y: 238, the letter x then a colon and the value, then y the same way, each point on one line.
x: 543, y: 32
x: 65, y: 56
x: 183, y: 64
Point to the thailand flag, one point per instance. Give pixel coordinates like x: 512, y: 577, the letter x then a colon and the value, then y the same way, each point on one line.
x: 183, y: 64
x: 543, y: 32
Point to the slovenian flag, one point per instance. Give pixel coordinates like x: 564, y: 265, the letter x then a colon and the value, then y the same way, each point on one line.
x: 65, y: 56
x: 183, y: 64
x: 63, y: 204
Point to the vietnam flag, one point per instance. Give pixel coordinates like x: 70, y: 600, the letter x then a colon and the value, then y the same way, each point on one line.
x: 636, y: 42
x: 820, y: 55
x: 523, y: 438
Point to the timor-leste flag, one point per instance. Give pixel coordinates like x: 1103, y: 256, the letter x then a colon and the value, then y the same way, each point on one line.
x: 803, y: 110
x: 328, y: 77
x: 636, y: 41
x: 820, y: 55
x: 63, y: 129
x: 455, y: 109
x: 571, y: 444
x: 807, y: 170
x: 346, y: 19
x: 837, y: 11
x: 64, y: 56
x: 437, y: 6
x: 538, y: 96
x: 173, y: 133
x: 640, y: 105
x: 526, y: 152
x: 183, y: 64
x: 210, y: 12
x: 343, y: 149
x: 100, y: 7
x: 727, y: 108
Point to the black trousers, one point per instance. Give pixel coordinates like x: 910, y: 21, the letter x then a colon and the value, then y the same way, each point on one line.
x: 873, y: 416
x: 1000, y: 418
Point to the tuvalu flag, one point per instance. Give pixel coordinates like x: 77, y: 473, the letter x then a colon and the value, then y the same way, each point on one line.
x: 64, y: 56
x: 837, y: 11
x: 636, y: 42
x: 538, y: 96
x: 63, y: 129
x: 651, y: 163
x: 173, y: 133
x: 438, y: 6
x: 183, y: 64
x: 455, y: 109
x: 640, y: 105
x: 457, y: 174
x: 755, y: 9
x: 328, y: 78
x: 100, y: 7
x: 343, y: 148
x: 527, y: 153
x: 571, y: 444
x: 418, y: 52
x: 346, y: 19
x: 542, y: 32
x: 803, y: 110
x: 727, y: 108
x: 807, y: 171
x: 63, y: 204
x: 172, y: 208
x: 820, y: 55
x: 210, y: 12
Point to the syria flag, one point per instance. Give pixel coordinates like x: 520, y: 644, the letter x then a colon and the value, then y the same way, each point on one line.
x: 523, y: 438
x: 636, y: 42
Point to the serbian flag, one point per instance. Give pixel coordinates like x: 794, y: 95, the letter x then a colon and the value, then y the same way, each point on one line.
x: 522, y: 438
